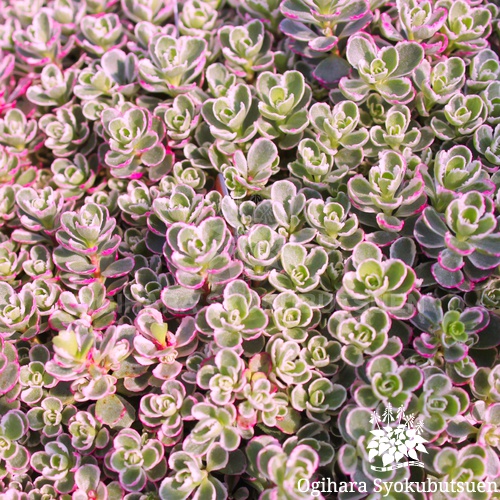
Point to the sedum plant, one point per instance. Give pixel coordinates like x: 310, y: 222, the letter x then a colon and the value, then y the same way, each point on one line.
x: 249, y: 249
x: 382, y: 70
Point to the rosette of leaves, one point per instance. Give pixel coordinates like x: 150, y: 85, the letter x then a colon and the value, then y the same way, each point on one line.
x: 449, y: 464
x: 136, y: 203
x: 181, y: 119
x: 222, y: 376
x: 87, y: 434
x: 14, y: 457
x: 155, y: 344
x: 68, y: 15
x: 301, y: 268
x: 281, y: 468
x: 387, y: 284
x: 152, y: 11
x: 438, y: 84
x: 440, y: 402
x: 247, y: 48
x: 17, y: 132
x: 336, y: 228
x: 467, y: 26
x: 72, y: 348
x: 201, y: 255
x: 136, y: 459
x: 75, y: 177
x: 315, y: 29
x: 293, y: 315
x: 288, y: 368
x: 33, y: 378
x: 262, y: 402
x: 99, y: 34
x: 259, y: 249
x: 88, y: 245
x: 389, y: 383
x: 337, y: 128
x: 455, y: 172
x: 86, y: 358
x: 399, y: 133
x: 134, y: 144
x: 464, y: 241
x: 284, y: 100
x: 173, y: 65
x: 487, y: 142
x: 367, y: 335
x: 18, y: 313
x: 166, y: 412
x: 250, y: 174
x: 287, y: 206
x: 182, y: 204
x: 448, y: 333
x: 190, y: 477
x: 392, y: 192
x: 319, y: 398
x: 57, y: 463
x: 90, y: 306
x: 11, y: 262
x: 460, y: 117
x: 484, y: 68
x: 50, y: 417
x: 239, y: 317
x: 321, y: 354
x: 41, y: 42
x: 54, y: 88
x: 418, y: 20
x: 114, y: 72
x: 384, y: 71
x: 220, y: 80
x: 199, y: 19
x: 214, y: 425
x: 233, y: 118
x: 67, y: 132
x: 46, y: 294
x: 39, y: 210
x: 315, y: 168
x: 146, y: 286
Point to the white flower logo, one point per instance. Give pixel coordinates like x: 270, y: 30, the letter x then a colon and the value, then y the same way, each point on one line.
x: 400, y: 437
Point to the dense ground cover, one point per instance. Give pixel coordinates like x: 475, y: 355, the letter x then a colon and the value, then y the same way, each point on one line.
x: 237, y: 236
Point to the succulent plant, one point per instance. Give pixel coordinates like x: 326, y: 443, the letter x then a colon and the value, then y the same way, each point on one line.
x: 463, y: 240
x: 57, y: 463
x: 101, y: 33
x: 135, y: 143
x: 173, y: 65
x: 200, y: 255
x: 238, y: 237
x: 375, y: 281
x: 136, y: 459
x: 238, y: 318
x: 246, y: 48
x: 191, y: 477
x: 382, y: 70
x: 283, y: 106
x: 367, y: 335
x: 55, y: 87
x: 388, y: 383
x: 316, y: 28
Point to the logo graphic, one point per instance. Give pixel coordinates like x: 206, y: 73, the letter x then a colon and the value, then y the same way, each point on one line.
x: 395, y: 438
